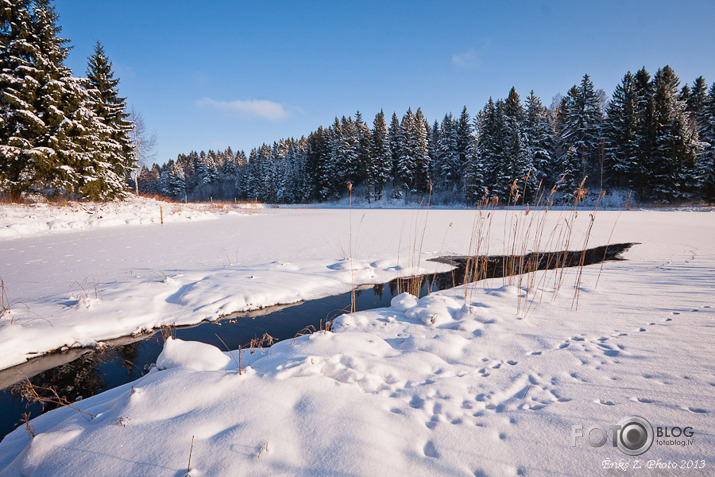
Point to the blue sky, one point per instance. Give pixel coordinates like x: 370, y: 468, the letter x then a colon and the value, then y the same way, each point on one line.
x: 210, y: 74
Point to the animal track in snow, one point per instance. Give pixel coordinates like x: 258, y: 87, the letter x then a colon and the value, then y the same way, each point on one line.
x: 605, y: 402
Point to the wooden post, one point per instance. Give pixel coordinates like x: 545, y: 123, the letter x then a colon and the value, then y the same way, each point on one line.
x: 161, y: 214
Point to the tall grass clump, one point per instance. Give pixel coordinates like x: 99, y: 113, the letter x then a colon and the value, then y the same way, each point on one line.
x: 527, y: 234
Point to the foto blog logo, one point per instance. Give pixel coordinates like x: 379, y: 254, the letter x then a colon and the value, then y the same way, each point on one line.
x: 633, y: 435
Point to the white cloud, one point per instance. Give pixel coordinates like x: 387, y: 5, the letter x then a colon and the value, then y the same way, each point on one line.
x: 467, y: 58
x: 252, y: 108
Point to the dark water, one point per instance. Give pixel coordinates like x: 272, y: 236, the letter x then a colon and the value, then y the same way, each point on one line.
x: 95, y: 371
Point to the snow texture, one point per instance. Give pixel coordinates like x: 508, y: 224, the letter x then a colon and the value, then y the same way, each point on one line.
x: 455, y: 383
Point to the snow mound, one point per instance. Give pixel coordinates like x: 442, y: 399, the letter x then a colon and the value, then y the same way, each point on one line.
x: 403, y: 302
x: 191, y: 355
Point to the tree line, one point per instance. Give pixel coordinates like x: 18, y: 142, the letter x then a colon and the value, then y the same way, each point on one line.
x: 60, y: 135
x: 63, y: 135
x: 653, y: 138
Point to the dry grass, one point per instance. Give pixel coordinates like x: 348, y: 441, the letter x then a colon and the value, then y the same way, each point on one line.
x: 46, y: 395
x: 4, y: 301
x: 191, y: 451
x: 525, y: 236
x: 413, y: 283
x: 263, y: 448
x: 26, y: 420
x: 168, y: 332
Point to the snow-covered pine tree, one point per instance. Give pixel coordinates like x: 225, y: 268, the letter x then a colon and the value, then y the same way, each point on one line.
x: 105, y: 102
x: 465, y: 139
x: 51, y: 136
x: 406, y: 162
x: 395, y: 135
x: 480, y: 174
x: 363, y: 140
x: 540, y: 141
x: 621, y: 134
x: 381, y: 164
x: 450, y: 166
x: 433, y: 147
x: 673, y: 161
x: 36, y: 90
x: 706, y: 159
x: 581, y: 129
x: 173, y: 181
x: 316, y: 162
x: 422, y: 157
x: 62, y: 151
x: 20, y: 124
x: 516, y: 162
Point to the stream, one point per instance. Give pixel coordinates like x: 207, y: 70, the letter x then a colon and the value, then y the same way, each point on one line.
x: 83, y: 372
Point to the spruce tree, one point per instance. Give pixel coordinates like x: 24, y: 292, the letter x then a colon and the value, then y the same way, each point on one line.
x: 111, y: 109
x: 621, y: 133
x: 671, y: 165
x: 581, y: 129
x: 381, y: 164
x: 465, y: 138
x: 395, y: 135
x: 706, y: 159
x: 422, y: 157
x: 450, y: 167
x: 20, y: 125
x: 539, y: 136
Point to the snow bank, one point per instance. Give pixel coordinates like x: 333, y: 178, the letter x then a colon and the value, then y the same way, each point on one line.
x: 477, y: 391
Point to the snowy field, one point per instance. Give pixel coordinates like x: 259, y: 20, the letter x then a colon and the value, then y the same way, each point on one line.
x: 457, y: 383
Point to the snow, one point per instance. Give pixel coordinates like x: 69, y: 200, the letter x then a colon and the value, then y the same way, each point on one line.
x: 455, y: 383
x: 31, y: 220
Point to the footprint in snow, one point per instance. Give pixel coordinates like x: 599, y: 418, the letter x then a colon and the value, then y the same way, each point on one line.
x: 696, y: 410
x: 605, y: 402
x: 430, y: 450
x: 642, y: 400
x: 534, y: 353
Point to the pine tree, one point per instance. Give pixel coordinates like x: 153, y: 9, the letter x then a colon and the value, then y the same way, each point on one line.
x: 106, y: 103
x: 363, y: 140
x: 481, y: 172
x: 316, y: 158
x: 20, y: 125
x: 173, y: 180
x: 540, y: 144
x: 671, y: 165
x: 52, y: 138
x: 581, y: 129
x: 406, y: 162
x: 465, y: 139
x: 37, y: 94
x: 450, y: 166
x: 621, y: 133
x: 706, y: 160
x: 422, y: 157
x: 516, y: 165
x: 395, y: 135
x: 381, y: 164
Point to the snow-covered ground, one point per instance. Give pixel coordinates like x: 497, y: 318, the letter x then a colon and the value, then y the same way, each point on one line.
x: 31, y: 220
x: 453, y: 384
